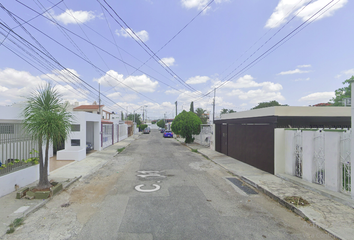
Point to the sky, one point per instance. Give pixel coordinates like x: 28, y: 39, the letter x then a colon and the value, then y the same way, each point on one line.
x: 150, y: 54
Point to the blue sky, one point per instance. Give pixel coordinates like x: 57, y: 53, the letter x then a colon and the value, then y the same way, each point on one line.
x: 297, y: 52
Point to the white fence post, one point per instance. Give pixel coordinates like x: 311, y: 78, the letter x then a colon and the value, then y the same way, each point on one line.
x: 280, y: 148
x: 289, y: 152
x: 332, y: 160
x: 308, y: 154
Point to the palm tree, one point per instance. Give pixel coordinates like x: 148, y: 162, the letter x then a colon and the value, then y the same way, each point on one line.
x: 47, y: 121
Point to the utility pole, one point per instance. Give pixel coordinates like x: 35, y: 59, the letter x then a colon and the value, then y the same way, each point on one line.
x: 143, y: 114
x: 214, y: 106
x: 99, y: 98
x: 176, y: 108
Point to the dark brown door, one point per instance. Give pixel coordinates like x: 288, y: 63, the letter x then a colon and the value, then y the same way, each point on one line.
x: 224, y: 138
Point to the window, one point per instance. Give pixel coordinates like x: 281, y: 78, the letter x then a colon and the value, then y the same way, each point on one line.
x: 75, y: 127
x: 7, y: 128
x: 75, y: 142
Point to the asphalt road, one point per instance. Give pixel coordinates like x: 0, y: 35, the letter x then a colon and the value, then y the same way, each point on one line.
x: 194, y: 201
x: 183, y: 196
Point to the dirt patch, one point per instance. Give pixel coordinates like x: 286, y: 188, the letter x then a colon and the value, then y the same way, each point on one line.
x: 85, y: 198
x: 297, y: 201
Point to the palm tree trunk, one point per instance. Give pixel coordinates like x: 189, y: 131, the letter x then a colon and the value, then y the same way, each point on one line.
x: 43, y: 166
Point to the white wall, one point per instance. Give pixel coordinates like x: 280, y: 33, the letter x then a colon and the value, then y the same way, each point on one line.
x: 284, y: 149
x: 78, y: 153
x: 123, y: 131
x: 21, y: 178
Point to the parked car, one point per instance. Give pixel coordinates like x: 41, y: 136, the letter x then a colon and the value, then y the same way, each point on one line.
x: 89, y: 146
x: 162, y: 130
x: 168, y: 134
x: 146, y: 131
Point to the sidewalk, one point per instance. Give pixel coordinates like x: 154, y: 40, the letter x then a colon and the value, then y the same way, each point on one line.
x: 332, y: 212
x: 11, y: 208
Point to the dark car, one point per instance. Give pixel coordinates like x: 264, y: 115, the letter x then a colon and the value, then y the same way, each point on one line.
x: 162, y: 130
x: 89, y: 146
x: 146, y: 131
x: 168, y: 134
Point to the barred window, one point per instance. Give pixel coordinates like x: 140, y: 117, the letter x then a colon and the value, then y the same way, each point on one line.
x: 75, y: 127
x: 7, y: 128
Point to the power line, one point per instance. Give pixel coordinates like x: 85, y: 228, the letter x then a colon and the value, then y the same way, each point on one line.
x: 264, y: 54
x: 146, y: 48
x: 110, y: 54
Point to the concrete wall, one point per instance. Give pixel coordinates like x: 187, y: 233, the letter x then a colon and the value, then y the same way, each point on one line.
x: 285, y: 155
x: 86, y: 122
x: 123, y: 131
x: 21, y: 178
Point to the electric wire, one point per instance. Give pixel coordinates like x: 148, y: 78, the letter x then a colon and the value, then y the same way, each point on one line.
x: 266, y: 52
x: 146, y: 48
x: 110, y: 54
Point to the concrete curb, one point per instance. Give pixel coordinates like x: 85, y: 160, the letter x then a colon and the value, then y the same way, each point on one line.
x: 272, y: 196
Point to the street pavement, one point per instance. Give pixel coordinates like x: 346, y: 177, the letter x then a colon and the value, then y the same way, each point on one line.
x: 334, y: 214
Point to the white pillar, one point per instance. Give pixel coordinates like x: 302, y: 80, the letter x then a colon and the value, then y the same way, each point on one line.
x: 289, y: 167
x: 308, y: 154
x: 332, y: 160
x: 352, y: 141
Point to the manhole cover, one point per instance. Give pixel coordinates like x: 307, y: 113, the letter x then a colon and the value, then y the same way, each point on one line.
x: 242, y: 186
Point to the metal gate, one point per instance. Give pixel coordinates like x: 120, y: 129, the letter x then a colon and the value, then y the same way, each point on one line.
x: 345, y: 162
x: 319, y: 158
x: 107, y: 135
x: 298, y: 153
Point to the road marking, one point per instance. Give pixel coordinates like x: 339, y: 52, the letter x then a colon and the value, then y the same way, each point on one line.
x: 138, y: 188
x: 151, y: 175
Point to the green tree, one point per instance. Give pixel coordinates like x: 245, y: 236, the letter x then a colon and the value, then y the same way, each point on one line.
x: 225, y: 111
x: 161, y: 123
x: 121, y: 116
x: 268, y: 104
x: 341, y: 93
x: 201, y: 114
x: 186, y: 124
x: 131, y: 117
x: 47, y: 121
x: 191, y: 109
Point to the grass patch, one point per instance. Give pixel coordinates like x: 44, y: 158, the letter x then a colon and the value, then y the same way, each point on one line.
x: 17, y: 222
x: 297, y: 201
x: 119, y: 150
x: 194, y: 150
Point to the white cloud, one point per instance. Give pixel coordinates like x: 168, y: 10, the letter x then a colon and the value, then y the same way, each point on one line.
x: 257, y: 96
x: 16, y: 85
x: 140, y: 83
x: 61, y: 76
x: 346, y: 73
x: 302, y: 79
x: 304, y: 66
x: 288, y: 8
x: 198, y: 79
x: 143, y: 35
x: 318, y: 97
x: 199, y: 4
x: 172, y: 91
x: 73, y: 17
x: 114, y: 95
x: 168, y: 61
x: 292, y: 72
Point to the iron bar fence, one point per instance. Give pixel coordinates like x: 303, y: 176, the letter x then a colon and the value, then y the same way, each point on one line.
x: 345, y: 162
x: 319, y: 158
x: 15, y: 144
x: 298, y: 153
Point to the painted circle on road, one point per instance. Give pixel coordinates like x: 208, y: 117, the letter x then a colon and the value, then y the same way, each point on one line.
x: 138, y: 188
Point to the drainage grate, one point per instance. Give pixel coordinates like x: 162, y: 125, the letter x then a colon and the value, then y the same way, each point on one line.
x: 241, y: 186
